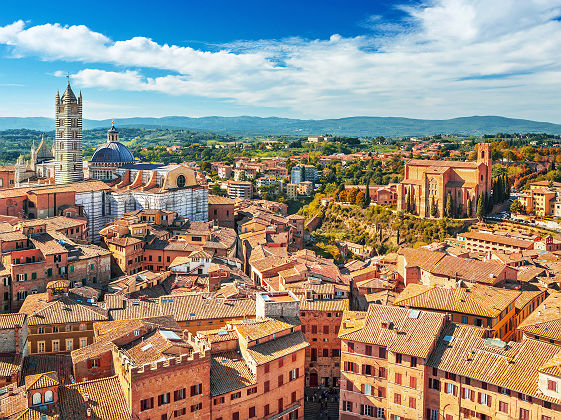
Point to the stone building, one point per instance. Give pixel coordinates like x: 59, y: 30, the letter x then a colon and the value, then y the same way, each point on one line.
x: 59, y: 323
x: 428, y: 181
x: 384, y: 354
x: 68, y: 138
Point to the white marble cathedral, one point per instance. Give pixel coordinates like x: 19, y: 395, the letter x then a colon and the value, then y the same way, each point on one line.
x: 130, y: 185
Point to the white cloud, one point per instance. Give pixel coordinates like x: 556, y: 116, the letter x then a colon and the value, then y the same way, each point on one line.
x: 447, y: 58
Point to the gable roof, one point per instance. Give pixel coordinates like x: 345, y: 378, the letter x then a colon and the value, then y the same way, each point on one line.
x: 545, y: 321
x: 62, y: 310
x: 463, y: 350
x: 42, y: 380
x: 398, y: 329
x: 479, y: 300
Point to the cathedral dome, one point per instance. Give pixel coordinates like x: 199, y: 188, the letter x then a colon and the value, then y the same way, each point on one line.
x: 113, y: 152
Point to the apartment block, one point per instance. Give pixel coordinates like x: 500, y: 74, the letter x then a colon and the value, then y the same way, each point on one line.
x: 239, y: 189
x: 384, y: 353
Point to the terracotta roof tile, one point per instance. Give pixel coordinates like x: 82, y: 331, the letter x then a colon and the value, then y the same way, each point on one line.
x: 478, y: 300
x: 395, y: 328
x: 513, y: 366
x: 277, y: 348
x: 229, y: 372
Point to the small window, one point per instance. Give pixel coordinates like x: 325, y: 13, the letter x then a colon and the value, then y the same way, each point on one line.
x: 49, y: 396
x: 37, y: 399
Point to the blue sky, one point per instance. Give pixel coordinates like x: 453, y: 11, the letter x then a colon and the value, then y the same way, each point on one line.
x: 303, y: 59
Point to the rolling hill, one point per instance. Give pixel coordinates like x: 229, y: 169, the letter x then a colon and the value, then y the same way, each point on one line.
x: 351, y: 126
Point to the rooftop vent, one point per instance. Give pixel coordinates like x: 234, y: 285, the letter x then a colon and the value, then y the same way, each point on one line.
x: 495, y: 342
x: 146, y: 347
x: 414, y: 313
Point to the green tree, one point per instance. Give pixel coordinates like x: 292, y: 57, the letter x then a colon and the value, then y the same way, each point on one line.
x: 360, y: 199
x: 516, y: 207
x: 480, y: 213
x: 342, y: 196
x: 351, y: 195
x: 216, y: 190
x: 448, y: 208
x: 408, y: 202
x: 433, y: 209
x: 367, y: 195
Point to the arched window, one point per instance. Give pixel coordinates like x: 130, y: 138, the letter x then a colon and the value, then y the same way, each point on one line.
x: 37, y: 398
x: 49, y: 396
x: 181, y: 181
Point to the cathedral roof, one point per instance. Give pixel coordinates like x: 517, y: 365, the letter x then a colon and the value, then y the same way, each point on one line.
x: 113, y: 152
x: 43, y: 150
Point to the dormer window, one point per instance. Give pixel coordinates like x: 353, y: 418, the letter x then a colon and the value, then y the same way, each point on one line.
x: 37, y: 399
x: 49, y: 397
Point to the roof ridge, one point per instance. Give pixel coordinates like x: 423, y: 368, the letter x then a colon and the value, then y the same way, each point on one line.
x: 92, y: 381
x: 475, y: 301
x: 39, y: 376
x: 427, y: 290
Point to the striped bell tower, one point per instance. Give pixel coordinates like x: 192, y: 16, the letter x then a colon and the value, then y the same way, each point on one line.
x: 68, y: 138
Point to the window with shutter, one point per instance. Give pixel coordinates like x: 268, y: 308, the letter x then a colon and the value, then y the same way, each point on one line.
x: 413, y: 382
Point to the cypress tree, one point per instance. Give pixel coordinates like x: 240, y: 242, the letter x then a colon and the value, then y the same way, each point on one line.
x: 487, y: 203
x: 448, y: 208
x: 367, y: 194
x: 480, y: 207
x: 408, y: 202
x: 433, y: 209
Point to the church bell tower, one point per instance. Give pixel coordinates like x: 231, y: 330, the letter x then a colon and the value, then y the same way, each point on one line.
x: 68, y: 138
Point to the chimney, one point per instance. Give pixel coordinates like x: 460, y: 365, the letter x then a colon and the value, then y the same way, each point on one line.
x: 88, y: 413
x: 17, y: 330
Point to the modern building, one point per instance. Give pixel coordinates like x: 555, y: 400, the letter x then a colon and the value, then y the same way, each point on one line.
x: 240, y: 189
x: 542, y: 199
x: 301, y: 173
x: 291, y: 191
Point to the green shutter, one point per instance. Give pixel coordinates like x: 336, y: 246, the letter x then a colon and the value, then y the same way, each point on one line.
x: 71, y: 268
x: 33, y: 276
x: 25, y: 276
x: 49, y: 272
x: 91, y: 266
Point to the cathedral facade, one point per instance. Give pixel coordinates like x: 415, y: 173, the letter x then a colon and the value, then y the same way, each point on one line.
x: 127, y: 184
x: 430, y: 181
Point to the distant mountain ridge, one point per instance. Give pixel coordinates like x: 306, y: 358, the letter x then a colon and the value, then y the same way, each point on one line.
x: 351, y: 126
